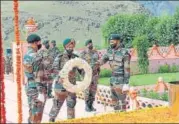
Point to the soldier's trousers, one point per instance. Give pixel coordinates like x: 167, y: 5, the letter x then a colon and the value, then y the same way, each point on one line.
x: 36, y: 107
x: 58, y: 101
x: 118, y: 98
x: 91, y: 91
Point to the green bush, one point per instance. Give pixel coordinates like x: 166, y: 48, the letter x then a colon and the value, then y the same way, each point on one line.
x: 168, y: 69
x: 164, y: 69
x: 105, y: 73
x: 164, y: 97
x: 174, y: 68
x: 154, y: 95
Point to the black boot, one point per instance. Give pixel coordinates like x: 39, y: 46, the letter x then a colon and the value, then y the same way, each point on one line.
x: 29, y: 122
x: 52, y: 120
x: 88, y: 107
x: 91, y: 106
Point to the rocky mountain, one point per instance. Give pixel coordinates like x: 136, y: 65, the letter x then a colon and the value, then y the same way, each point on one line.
x: 60, y: 19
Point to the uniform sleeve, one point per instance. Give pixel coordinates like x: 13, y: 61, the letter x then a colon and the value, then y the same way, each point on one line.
x: 28, y: 67
x: 104, y: 59
x: 127, y: 58
x: 37, y: 65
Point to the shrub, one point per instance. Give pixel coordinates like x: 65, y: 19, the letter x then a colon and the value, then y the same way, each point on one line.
x: 174, y: 68
x: 164, y: 69
x: 164, y: 96
x: 154, y: 95
x: 105, y: 73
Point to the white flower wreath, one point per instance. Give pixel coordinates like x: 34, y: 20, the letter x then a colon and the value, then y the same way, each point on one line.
x: 80, y: 85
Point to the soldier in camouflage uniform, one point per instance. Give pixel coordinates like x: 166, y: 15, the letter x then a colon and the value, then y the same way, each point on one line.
x: 54, y: 51
x: 46, y: 67
x: 60, y: 92
x: 119, y: 60
x: 91, y: 56
x: 33, y: 87
x: 8, y: 61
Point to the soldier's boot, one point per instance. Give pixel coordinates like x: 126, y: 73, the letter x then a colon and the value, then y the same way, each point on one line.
x: 52, y: 120
x: 123, y: 108
x: 117, y: 106
x: 29, y: 122
x: 88, y: 107
x: 91, y: 106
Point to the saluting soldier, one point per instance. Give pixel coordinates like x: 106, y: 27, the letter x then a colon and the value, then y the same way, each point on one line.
x: 33, y: 86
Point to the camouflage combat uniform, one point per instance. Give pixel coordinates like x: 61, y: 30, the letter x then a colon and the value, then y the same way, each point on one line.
x: 32, y: 63
x: 8, y: 63
x: 45, y: 70
x: 33, y: 86
x: 60, y: 92
x: 91, y: 56
x: 54, y: 52
x: 119, y: 60
x: 47, y: 62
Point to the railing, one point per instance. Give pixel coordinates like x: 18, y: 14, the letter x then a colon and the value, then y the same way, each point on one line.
x: 103, y: 96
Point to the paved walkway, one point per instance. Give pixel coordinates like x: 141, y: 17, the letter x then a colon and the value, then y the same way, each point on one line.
x: 11, y: 105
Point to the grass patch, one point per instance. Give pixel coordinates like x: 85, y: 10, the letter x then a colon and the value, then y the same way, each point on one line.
x: 147, y: 79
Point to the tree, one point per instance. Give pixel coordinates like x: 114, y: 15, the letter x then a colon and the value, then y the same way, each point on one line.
x: 128, y: 26
x: 141, y: 44
x: 165, y: 30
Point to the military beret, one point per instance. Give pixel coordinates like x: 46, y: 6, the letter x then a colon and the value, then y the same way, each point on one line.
x: 88, y: 41
x: 45, y: 42
x: 115, y: 37
x: 33, y: 38
x: 53, y: 41
x: 66, y: 41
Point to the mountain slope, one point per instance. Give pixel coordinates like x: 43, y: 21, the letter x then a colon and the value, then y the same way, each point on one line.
x: 60, y: 19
